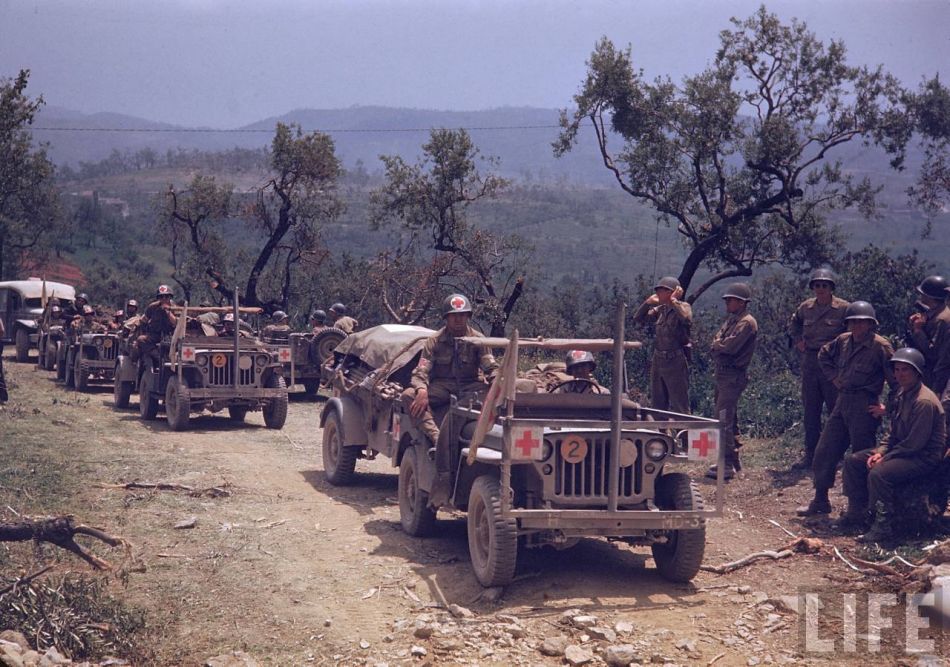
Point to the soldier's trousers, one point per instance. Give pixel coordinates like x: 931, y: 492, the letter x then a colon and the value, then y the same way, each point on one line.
x: 440, y: 394
x: 669, y: 381
x: 817, y: 392
x: 865, y: 488
x: 729, y: 387
x: 3, y: 380
x: 850, y: 425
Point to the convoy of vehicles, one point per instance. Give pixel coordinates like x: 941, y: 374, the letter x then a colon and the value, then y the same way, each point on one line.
x: 21, y: 307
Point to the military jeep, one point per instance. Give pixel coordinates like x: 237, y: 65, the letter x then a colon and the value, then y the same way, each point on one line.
x: 530, y: 469
x: 201, y: 372
x: 90, y: 357
x: 303, y: 355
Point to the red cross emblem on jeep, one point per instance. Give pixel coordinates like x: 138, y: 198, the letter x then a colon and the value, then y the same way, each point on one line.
x: 187, y: 353
x: 284, y: 354
x: 458, y: 303
x: 528, y: 445
x: 703, y: 444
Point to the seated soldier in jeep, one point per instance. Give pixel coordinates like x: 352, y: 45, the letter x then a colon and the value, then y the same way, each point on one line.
x: 158, y: 321
x: 914, y: 449
x: 278, y: 331
x: 580, y: 367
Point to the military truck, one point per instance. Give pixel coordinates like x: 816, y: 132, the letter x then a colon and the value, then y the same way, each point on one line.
x: 21, y: 305
x: 530, y: 469
x: 303, y: 355
x: 210, y: 372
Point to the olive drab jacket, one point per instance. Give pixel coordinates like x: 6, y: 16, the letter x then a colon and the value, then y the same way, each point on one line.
x: 816, y: 324
x: 346, y: 324
x: 455, y: 362
x: 858, y: 367
x: 933, y: 341
x: 918, y: 426
x: 734, y: 343
x: 673, y: 322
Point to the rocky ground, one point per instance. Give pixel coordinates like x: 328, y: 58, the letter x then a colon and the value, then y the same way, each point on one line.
x: 282, y: 568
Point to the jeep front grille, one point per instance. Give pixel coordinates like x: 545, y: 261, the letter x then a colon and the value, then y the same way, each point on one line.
x: 588, y: 477
x: 108, y: 353
x: 221, y: 376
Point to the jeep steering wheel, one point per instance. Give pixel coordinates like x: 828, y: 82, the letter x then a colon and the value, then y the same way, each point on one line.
x: 576, y: 386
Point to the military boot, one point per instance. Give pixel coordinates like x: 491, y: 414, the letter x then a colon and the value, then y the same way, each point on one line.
x: 727, y: 473
x: 819, y: 505
x: 882, y: 530
x: 854, y: 520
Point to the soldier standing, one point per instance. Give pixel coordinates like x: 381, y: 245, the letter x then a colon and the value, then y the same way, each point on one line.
x: 158, y: 321
x: 448, y: 367
x: 817, y: 321
x: 857, y: 363
x: 669, y: 369
x: 732, y: 349
x: 341, y: 320
x: 930, y: 331
x: 916, y: 444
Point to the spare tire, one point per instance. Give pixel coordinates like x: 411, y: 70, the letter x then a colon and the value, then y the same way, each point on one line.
x: 323, y: 344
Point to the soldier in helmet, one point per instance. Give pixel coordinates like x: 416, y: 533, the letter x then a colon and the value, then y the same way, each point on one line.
x: 580, y: 365
x: 278, y: 330
x: 816, y: 321
x: 89, y: 323
x: 732, y: 349
x: 341, y: 320
x: 930, y: 331
x: 914, y: 448
x: 75, y: 308
x: 857, y: 363
x: 669, y: 369
x: 318, y: 321
x: 131, y: 308
x: 448, y: 367
x: 157, y: 321
x: 227, y: 327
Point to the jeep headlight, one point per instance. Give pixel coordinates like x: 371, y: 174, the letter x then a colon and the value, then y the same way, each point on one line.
x: 262, y: 360
x: 546, y: 450
x: 656, y: 449
x: 201, y: 360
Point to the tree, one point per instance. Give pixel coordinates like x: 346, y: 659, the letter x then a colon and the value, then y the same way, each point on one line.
x: 29, y: 213
x: 740, y: 158
x: 931, y: 104
x: 433, y: 198
x: 285, y: 215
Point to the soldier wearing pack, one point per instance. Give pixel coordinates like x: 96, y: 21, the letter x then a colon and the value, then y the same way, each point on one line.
x: 448, y: 367
x: 278, y: 330
x: 669, y: 369
x: 915, y: 447
x: 930, y: 331
x: 732, y: 349
x: 341, y: 320
x: 816, y: 321
x: 857, y: 362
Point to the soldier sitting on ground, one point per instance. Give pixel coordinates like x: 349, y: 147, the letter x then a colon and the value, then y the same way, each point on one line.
x: 341, y: 320
x: 278, y: 330
x: 916, y: 445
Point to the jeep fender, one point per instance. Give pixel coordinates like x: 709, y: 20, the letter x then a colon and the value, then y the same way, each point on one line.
x: 351, y: 421
x: 29, y: 325
x: 125, y: 369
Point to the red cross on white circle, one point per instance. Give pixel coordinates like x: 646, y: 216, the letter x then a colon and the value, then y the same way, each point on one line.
x: 458, y: 303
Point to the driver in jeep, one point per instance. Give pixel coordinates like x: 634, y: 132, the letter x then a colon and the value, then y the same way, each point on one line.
x: 580, y: 366
x: 448, y: 368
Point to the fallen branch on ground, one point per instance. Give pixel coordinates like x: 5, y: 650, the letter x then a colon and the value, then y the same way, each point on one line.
x: 61, y: 531
x: 800, y: 545
x: 25, y: 579
x: 213, y: 491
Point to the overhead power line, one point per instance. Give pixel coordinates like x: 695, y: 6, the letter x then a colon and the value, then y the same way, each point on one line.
x: 270, y: 131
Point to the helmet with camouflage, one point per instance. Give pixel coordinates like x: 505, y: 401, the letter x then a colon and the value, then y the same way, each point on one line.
x: 278, y: 316
x: 740, y: 291
x: 319, y: 316
x: 164, y: 291
x: 667, y: 282
x: 456, y: 303
x: 338, y: 308
x: 933, y: 286
x: 575, y: 357
x: 910, y: 356
x: 822, y: 275
x: 860, y: 310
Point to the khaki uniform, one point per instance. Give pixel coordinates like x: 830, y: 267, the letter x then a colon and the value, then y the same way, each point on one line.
x: 859, y: 371
x: 449, y: 367
x: 346, y: 324
x: 933, y: 341
x: 732, y: 349
x: 916, y: 445
x: 669, y: 369
x: 157, y: 322
x: 815, y: 325
x: 274, y: 332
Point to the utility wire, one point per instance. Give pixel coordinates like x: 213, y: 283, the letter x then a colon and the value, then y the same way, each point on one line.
x: 271, y: 131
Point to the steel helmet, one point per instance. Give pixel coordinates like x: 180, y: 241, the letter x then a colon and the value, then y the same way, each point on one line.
x: 338, y: 308
x: 860, y: 310
x: 131, y: 302
x: 456, y: 303
x: 575, y: 357
x: 229, y: 317
x: 88, y: 310
x: 119, y: 313
x: 319, y: 316
x: 909, y: 355
x: 164, y: 290
x: 83, y: 296
x: 740, y: 291
x: 279, y: 316
x: 826, y: 275
x: 667, y: 282
x: 933, y: 286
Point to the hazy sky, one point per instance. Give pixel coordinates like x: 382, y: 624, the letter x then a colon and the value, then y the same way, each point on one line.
x: 225, y: 64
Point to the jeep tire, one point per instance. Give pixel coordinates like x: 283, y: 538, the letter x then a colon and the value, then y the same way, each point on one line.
x: 22, y: 338
x: 680, y: 557
x: 121, y: 391
x: 275, y: 410
x: 177, y: 407
x: 415, y: 515
x: 492, y: 539
x: 339, y: 462
x: 148, y: 404
x: 80, y: 375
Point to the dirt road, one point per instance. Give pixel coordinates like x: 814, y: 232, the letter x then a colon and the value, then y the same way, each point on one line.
x: 295, y: 571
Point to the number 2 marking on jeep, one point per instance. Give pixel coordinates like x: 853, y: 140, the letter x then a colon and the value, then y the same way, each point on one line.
x: 573, y: 449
